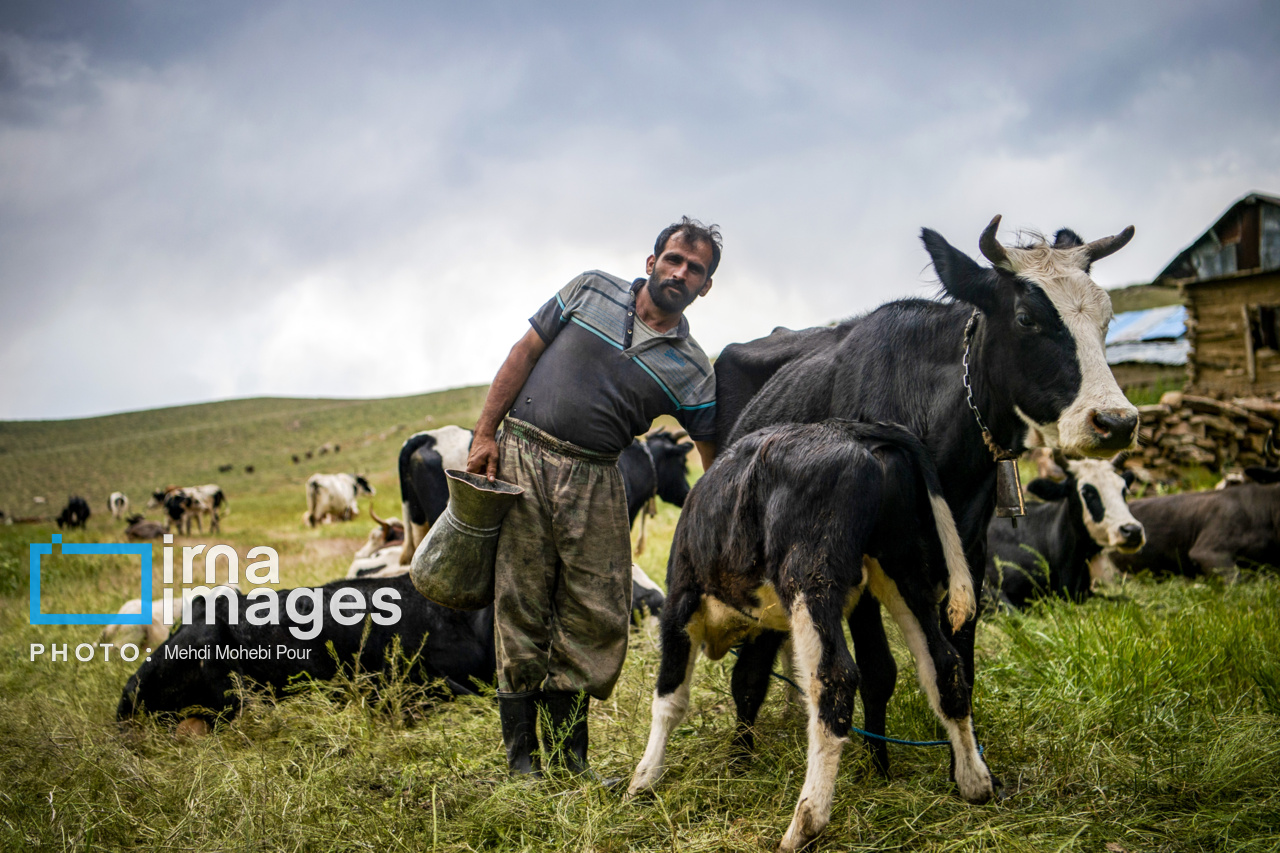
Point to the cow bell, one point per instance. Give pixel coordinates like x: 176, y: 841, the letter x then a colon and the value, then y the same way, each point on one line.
x: 1009, y: 491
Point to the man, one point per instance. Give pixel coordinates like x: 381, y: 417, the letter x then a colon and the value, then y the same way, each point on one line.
x: 603, y: 358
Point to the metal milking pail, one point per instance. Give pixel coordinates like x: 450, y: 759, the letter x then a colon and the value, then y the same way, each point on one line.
x: 454, y: 564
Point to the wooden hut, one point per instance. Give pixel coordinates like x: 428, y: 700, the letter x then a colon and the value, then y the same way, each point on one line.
x: 1230, y: 282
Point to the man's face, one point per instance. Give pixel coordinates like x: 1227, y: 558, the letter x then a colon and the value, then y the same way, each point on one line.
x: 679, y: 275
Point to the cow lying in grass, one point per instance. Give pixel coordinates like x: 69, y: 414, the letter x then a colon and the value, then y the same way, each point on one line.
x: 1048, y: 553
x: 1209, y: 532
x: 194, y: 673
x: 790, y: 527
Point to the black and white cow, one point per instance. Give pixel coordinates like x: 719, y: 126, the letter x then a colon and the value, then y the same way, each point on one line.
x: 784, y: 534
x: 424, y: 489
x: 1030, y: 330
x: 74, y: 514
x: 118, y: 505
x: 332, y: 496
x: 1048, y: 553
x: 1210, y: 532
x: 179, y: 681
x: 184, y: 504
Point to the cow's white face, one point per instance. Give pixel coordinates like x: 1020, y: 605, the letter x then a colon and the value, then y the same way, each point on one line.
x: 1099, y: 420
x: 1039, y: 346
x: 1106, y: 514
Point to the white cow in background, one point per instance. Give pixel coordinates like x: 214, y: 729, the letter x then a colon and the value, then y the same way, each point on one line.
x: 334, y: 496
x: 118, y: 503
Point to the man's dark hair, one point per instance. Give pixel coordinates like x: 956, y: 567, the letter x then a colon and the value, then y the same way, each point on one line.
x: 694, y: 232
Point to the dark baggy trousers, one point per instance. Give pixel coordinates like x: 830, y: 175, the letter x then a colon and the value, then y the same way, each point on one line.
x: 563, y: 574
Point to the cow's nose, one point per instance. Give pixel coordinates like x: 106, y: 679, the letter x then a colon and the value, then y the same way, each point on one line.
x: 1115, y: 428
x: 1132, y: 533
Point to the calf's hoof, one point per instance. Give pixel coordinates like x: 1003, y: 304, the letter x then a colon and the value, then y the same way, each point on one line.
x: 806, y: 826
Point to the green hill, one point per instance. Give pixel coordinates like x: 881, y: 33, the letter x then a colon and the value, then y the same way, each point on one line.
x: 136, y: 452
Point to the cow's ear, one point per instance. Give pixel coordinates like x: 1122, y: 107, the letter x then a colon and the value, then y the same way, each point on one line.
x: 1048, y: 490
x: 683, y: 449
x: 1128, y: 477
x: 961, y: 277
x: 1263, y: 475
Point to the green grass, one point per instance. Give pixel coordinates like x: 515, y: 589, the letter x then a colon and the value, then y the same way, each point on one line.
x: 1147, y: 718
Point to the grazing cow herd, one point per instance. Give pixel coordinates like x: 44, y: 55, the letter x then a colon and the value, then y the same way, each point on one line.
x: 858, y: 471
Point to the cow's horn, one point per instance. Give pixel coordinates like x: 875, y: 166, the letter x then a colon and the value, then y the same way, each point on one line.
x: 990, y: 246
x: 385, y: 525
x: 1099, y: 249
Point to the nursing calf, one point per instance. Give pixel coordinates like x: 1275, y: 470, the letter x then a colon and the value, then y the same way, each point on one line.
x: 790, y: 527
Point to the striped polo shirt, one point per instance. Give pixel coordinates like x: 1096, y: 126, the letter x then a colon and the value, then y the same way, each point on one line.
x: 594, y: 389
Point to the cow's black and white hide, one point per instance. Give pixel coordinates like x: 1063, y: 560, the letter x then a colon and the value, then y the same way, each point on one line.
x: 785, y: 532
x: 184, y: 504
x: 1036, y: 363
x: 1210, y: 532
x: 74, y: 514
x: 424, y: 489
x: 456, y: 647
x: 646, y: 596
x: 1048, y: 553
x: 118, y: 505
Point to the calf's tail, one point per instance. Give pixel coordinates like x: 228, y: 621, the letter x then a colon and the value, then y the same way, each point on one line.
x: 962, y: 602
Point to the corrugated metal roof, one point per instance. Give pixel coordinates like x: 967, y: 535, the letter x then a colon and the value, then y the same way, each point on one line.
x: 1150, y: 352
x: 1154, y: 324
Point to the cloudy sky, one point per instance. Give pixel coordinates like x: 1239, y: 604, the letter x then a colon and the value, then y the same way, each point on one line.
x: 210, y: 200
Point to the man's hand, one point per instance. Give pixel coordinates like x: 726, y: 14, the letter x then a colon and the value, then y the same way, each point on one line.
x: 483, y: 458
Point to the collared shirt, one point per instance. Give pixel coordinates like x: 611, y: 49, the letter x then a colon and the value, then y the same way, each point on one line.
x: 605, y: 375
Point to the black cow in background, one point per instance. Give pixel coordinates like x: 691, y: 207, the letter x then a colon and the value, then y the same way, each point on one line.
x: 1048, y: 553
x: 1030, y: 330
x: 1210, y: 532
x: 654, y: 467
x: 74, y: 514
x: 458, y: 648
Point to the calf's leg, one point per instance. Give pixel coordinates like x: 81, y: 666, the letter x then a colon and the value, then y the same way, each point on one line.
x: 942, y: 677
x: 750, y: 684
x: 682, y: 635
x: 878, y: 674
x: 830, y: 680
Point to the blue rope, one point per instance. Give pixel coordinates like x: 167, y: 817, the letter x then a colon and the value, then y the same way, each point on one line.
x: 862, y: 732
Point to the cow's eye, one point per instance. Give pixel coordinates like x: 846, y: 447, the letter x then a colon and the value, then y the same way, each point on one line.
x: 1025, y: 321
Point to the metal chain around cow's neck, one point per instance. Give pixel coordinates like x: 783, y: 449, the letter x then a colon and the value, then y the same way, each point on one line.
x: 997, y: 452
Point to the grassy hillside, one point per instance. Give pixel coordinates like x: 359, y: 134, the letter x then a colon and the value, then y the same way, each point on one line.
x: 137, y: 452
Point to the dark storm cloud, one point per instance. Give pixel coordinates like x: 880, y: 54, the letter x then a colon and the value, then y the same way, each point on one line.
x: 340, y: 199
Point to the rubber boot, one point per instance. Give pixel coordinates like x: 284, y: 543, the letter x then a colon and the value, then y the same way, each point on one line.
x: 519, y: 715
x: 564, y: 740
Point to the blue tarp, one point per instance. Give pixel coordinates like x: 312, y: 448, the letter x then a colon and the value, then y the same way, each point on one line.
x: 1154, y: 336
x: 1155, y: 324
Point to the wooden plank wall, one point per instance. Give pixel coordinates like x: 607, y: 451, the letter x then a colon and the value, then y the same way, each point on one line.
x: 1217, y: 332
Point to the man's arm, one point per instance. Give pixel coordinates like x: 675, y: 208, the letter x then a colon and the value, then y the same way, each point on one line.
x: 706, y: 450
x: 511, y: 377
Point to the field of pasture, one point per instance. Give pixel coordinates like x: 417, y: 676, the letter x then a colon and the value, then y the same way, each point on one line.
x: 1147, y: 719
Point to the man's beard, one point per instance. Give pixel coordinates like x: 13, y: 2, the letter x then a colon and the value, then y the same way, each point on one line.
x: 669, y: 300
